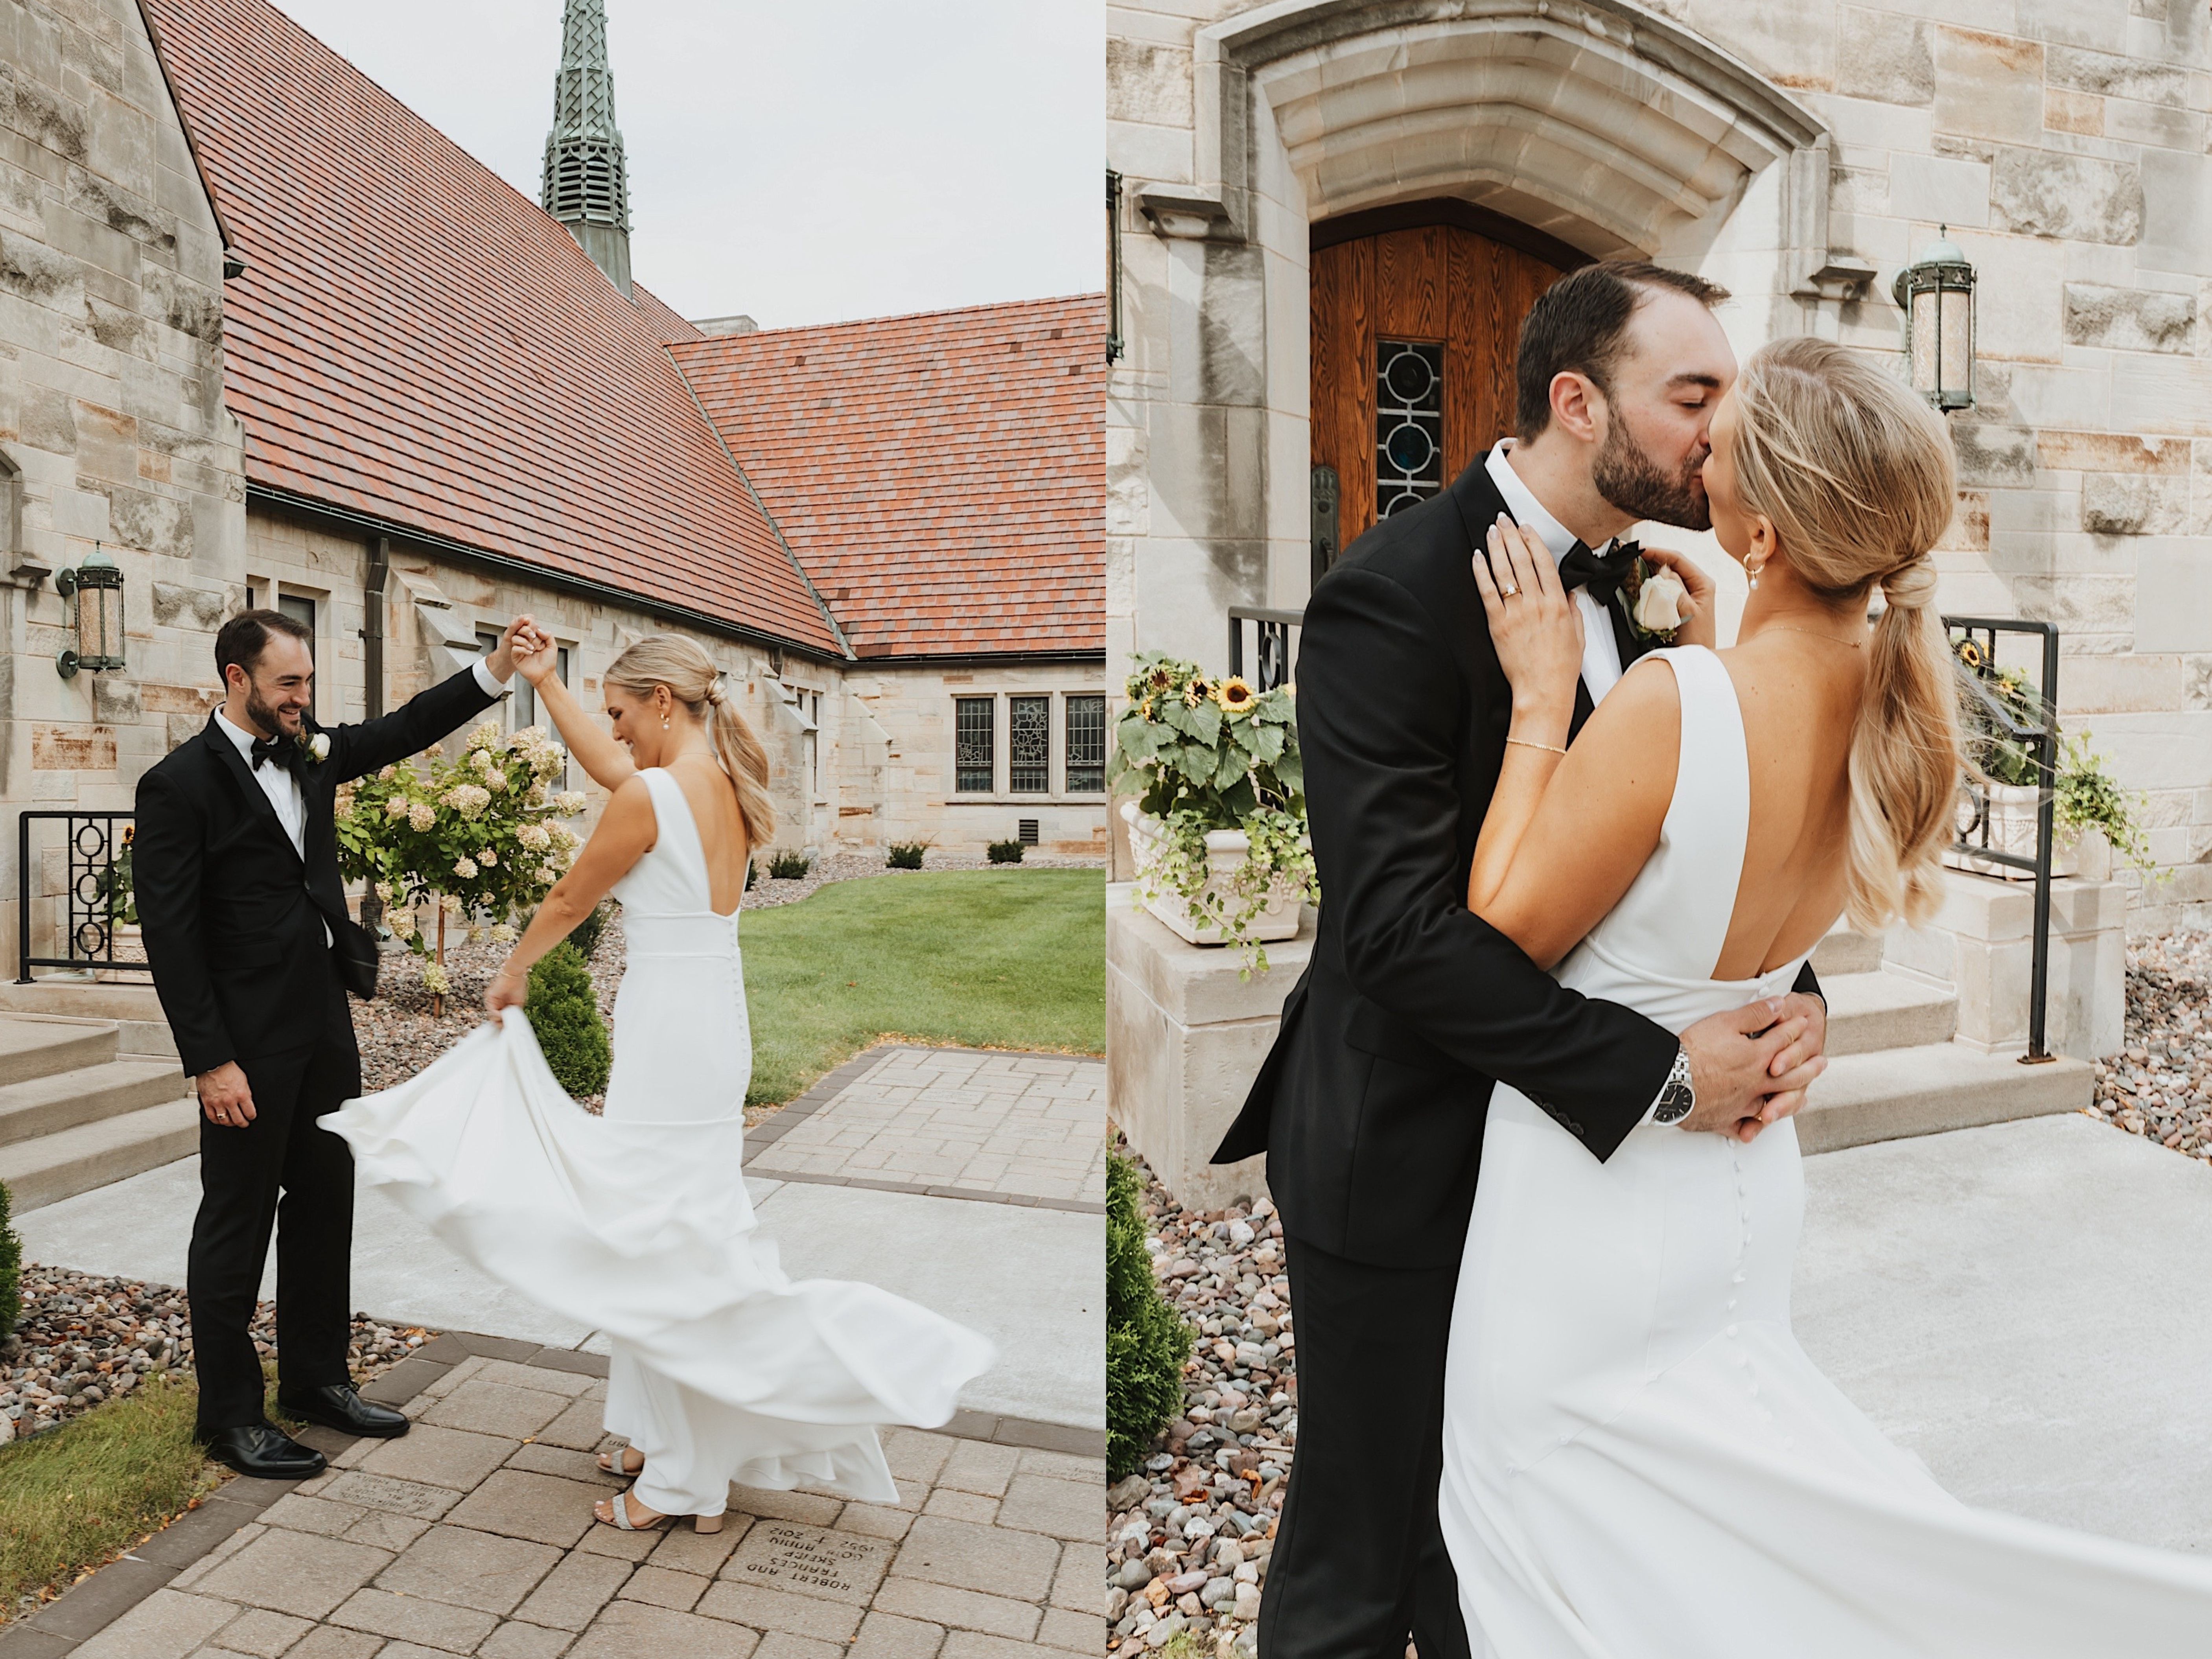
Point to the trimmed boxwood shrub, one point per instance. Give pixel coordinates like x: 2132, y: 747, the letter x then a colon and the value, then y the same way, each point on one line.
x: 1146, y: 1343
x: 564, y: 1011
x: 789, y: 866
x: 587, y: 934
x: 907, y: 855
x: 11, y: 1264
x: 1005, y: 852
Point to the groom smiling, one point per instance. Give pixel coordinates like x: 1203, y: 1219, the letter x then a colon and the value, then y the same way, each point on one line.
x: 1371, y: 1107
x: 244, y: 923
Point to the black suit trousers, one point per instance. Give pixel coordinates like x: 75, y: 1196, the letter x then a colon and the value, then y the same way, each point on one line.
x: 1360, y: 1563
x: 285, y: 1170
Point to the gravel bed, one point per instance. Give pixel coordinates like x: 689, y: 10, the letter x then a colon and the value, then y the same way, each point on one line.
x: 2160, y: 1085
x: 1188, y: 1535
x: 83, y: 1338
x: 771, y: 890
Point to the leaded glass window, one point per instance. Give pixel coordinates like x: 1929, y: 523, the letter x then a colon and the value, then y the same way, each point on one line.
x: 974, y: 745
x: 1086, y: 743
x: 1029, y: 745
x: 1409, y: 424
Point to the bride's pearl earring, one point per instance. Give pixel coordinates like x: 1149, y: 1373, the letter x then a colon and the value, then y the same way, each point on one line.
x: 1753, y: 570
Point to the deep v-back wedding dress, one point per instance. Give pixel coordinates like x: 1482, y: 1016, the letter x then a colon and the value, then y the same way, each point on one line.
x: 637, y: 1224
x: 1640, y: 1463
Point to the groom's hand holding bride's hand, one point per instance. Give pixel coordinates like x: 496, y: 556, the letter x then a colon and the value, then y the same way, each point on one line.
x: 534, y: 658
x: 225, y: 1095
x: 509, y: 651
x: 1751, y: 1067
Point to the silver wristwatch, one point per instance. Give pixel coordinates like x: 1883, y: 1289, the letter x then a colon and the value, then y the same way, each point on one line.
x: 1677, y: 1099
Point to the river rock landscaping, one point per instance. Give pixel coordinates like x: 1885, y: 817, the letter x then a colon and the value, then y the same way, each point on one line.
x: 2160, y: 1085
x: 82, y: 1339
x: 1189, y: 1533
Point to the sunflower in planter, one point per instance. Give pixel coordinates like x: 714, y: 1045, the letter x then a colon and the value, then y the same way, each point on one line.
x: 1218, y: 830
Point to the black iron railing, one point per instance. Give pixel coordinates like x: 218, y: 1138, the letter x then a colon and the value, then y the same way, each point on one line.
x: 1272, y: 658
x: 1997, y: 719
x: 94, y: 896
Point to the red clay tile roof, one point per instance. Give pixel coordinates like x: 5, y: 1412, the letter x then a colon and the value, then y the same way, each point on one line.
x: 942, y: 477
x: 415, y: 341
x: 661, y: 316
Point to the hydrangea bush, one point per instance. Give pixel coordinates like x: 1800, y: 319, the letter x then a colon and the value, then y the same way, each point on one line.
x: 476, y: 836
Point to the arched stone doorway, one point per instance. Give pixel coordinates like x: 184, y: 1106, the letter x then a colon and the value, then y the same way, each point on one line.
x: 1416, y: 312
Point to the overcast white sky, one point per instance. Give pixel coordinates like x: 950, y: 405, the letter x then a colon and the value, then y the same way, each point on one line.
x: 798, y: 161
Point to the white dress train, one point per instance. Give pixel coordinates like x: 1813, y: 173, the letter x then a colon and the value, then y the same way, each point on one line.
x: 637, y: 1224
x: 1640, y: 1463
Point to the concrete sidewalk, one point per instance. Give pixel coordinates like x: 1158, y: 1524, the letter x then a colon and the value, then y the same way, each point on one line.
x: 1028, y: 1275
x: 2026, y: 1307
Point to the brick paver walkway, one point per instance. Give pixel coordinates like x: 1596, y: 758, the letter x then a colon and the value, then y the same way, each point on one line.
x: 472, y: 1534
x: 960, y: 1121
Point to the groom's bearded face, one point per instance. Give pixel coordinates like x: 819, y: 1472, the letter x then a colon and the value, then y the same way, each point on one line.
x: 279, y: 686
x: 1641, y: 487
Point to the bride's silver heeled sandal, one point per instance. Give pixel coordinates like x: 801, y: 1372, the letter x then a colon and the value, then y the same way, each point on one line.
x: 616, y: 1463
x: 618, y: 1516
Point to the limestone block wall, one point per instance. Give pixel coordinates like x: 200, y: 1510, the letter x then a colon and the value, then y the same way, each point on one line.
x: 899, y: 723
x: 2064, y: 145
x: 112, y: 430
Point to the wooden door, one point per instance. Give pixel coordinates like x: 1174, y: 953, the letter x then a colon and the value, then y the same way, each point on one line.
x: 1414, y: 331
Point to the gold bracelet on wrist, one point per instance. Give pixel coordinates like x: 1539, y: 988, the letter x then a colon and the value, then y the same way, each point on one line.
x: 1529, y: 743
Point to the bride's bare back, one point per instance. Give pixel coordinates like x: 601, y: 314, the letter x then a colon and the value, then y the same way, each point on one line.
x: 713, y: 799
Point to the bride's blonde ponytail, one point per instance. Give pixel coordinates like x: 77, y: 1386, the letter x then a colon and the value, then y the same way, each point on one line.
x: 1858, y: 475
x: 683, y: 665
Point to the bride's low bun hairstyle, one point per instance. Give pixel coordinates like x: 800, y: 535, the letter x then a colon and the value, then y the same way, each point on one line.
x: 1857, y: 476
x: 683, y: 665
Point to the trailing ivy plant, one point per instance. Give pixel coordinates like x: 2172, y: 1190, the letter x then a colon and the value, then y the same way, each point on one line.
x: 476, y: 836
x: 2086, y: 796
x: 1216, y: 755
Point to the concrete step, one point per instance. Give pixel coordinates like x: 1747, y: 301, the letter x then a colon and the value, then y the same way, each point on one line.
x: 134, y: 1010
x: 34, y: 1048
x: 1842, y: 951
x: 1891, y: 1093
x: 57, y: 1166
x: 44, y: 1106
x: 1868, y: 1013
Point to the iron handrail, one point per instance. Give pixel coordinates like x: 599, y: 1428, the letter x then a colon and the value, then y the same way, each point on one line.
x: 88, y: 895
x: 1273, y: 654
x: 2041, y: 738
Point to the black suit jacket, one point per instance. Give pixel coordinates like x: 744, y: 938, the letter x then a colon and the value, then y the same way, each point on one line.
x: 232, y: 916
x: 1371, y: 1105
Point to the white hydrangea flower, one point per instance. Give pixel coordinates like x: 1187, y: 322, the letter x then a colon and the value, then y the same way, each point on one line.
x: 488, y: 858
x: 396, y: 807
x: 564, y: 838
x: 451, y: 904
x: 466, y: 868
x: 535, y: 836
x: 384, y: 893
x: 548, y: 874
x: 569, y: 801
x: 434, y: 978
x: 469, y: 799
x: 535, y: 797
x: 485, y: 736
x: 387, y: 774
x: 423, y: 816
x: 496, y: 782
x: 402, y: 923
x: 501, y: 934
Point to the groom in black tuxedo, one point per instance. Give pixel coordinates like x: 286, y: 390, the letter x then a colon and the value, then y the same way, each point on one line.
x: 235, y: 857
x: 1371, y: 1106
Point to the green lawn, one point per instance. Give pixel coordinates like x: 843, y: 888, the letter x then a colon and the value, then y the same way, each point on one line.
x: 1016, y: 960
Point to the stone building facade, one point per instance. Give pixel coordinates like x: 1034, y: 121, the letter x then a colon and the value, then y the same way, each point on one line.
x: 1801, y: 155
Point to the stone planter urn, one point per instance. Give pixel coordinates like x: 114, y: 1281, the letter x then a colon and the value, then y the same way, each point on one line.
x: 2012, y: 830
x: 1226, y: 851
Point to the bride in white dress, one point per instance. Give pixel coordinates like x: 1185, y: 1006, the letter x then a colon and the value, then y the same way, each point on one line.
x: 1639, y: 1460
x: 637, y: 1222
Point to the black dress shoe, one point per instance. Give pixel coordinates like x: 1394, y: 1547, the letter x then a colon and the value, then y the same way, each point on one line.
x: 341, y: 1407
x: 266, y: 1451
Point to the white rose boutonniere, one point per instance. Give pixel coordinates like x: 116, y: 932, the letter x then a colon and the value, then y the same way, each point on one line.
x: 1659, y: 603
x: 316, y: 746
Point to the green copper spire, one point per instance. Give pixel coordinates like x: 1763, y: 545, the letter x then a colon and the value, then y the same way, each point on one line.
x: 587, y: 186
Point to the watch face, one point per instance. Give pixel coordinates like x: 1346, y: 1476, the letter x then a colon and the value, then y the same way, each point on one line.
x: 1674, y: 1103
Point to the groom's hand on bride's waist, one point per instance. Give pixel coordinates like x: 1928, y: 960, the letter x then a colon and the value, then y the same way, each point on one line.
x: 226, y: 1096
x: 1751, y: 1067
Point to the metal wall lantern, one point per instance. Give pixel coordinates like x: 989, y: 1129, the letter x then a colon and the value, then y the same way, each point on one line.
x: 1936, y: 294
x: 94, y: 589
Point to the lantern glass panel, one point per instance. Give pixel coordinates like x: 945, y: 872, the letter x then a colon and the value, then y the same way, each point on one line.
x: 99, y: 624
x: 1958, y: 337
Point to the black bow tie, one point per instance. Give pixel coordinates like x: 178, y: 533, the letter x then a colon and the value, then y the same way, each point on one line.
x: 1602, y: 574
x: 279, y: 751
